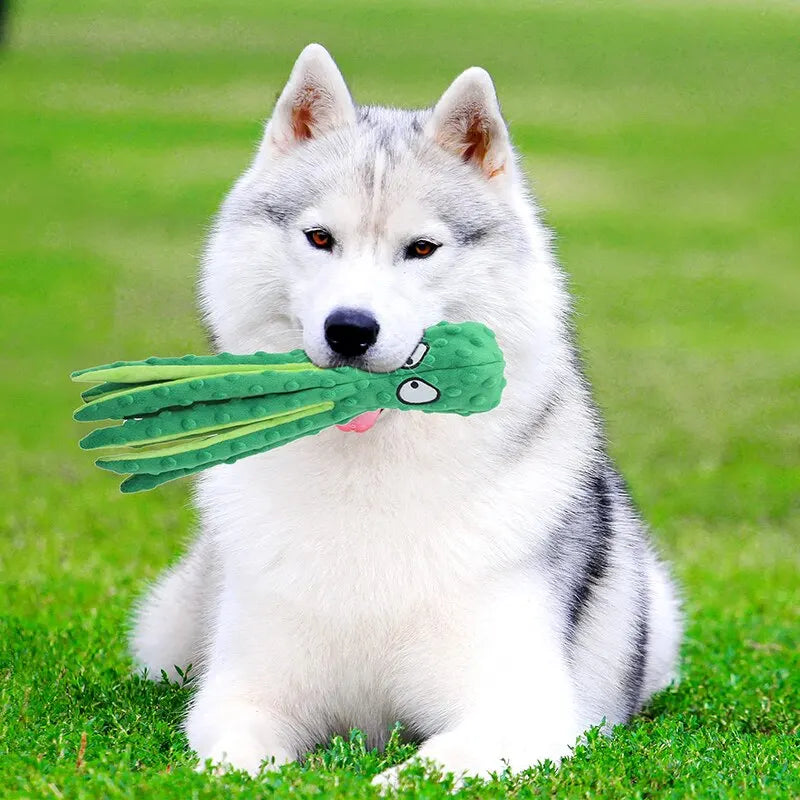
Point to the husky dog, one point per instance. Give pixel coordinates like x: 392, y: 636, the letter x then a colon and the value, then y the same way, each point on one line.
x: 485, y: 581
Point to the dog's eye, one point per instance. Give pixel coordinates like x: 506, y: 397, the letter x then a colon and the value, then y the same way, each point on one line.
x: 319, y: 238
x: 421, y: 248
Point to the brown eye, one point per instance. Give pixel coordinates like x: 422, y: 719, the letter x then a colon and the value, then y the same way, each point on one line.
x: 421, y: 248
x: 319, y: 238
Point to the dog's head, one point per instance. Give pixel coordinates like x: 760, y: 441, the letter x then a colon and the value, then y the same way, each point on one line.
x: 357, y: 227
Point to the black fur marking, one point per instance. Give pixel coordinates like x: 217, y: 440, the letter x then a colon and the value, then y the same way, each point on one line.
x: 536, y: 421
x: 212, y: 338
x: 634, y: 678
x: 468, y: 238
x: 480, y: 222
x: 386, y: 142
x: 265, y: 208
x: 596, y: 564
x: 466, y: 233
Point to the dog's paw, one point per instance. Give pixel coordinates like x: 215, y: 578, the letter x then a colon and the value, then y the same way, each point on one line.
x: 404, y: 776
x: 408, y: 773
x: 388, y: 781
x: 239, y: 752
x: 453, y: 758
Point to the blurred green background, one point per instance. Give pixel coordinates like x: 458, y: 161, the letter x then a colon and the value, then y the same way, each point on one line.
x: 663, y: 140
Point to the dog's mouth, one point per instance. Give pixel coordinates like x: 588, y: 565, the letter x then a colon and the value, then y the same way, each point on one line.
x: 362, y: 423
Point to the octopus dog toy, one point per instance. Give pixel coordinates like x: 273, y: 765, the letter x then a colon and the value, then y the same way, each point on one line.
x: 183, y: 415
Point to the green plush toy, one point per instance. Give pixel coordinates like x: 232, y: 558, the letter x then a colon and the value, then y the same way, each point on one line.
x: 183, y: 415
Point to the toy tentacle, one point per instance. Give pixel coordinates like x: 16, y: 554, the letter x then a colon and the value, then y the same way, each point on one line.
x: 201, y: 420
x: 142, y: 481
x: 155, y: 368
x: 107, y: 388
x: 220, y: 446
x: 143, y: 399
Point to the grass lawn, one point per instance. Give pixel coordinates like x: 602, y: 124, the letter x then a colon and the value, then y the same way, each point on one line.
x: 664, y: 141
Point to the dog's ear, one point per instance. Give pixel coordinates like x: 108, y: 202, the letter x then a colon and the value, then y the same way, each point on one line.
x: 467, y: 122
x: 314, y: 102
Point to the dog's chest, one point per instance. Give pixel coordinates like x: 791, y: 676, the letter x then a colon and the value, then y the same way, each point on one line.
x: 380, y: 553
x: 356, y: 596
x: 358, y: 634
x: 358, y: 574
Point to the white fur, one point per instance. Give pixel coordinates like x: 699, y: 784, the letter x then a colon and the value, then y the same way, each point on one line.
x: 352, y: 581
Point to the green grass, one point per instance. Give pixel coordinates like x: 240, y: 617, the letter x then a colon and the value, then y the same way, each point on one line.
x: 664, y: 142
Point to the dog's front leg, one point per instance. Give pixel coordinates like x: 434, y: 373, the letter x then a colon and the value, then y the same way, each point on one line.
x: 233, y: 719
x: 228, y: 725
x: 518, y: 704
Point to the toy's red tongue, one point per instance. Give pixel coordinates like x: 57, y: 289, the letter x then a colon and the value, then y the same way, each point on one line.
x: 361, y: 423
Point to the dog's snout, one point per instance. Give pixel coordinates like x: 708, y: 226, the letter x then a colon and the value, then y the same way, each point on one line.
x: 351, y: 332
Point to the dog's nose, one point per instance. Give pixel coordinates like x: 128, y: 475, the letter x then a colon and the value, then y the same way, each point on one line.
x: 350, y: 332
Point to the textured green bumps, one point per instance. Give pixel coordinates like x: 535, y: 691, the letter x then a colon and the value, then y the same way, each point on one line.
x: 182, y: 415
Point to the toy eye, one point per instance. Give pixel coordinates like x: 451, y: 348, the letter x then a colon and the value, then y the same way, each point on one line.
x: 319, y: 238
x: 416, y: 392
x: 421, y: 248
x: 419, y: 353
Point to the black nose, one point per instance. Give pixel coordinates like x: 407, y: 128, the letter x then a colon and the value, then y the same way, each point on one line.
x: 350, y: 332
